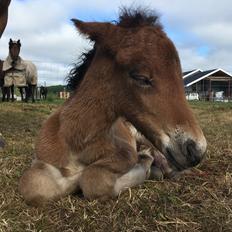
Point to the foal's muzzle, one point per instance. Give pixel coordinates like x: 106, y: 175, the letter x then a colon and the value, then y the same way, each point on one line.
x: 193, y: 153
x: 185, y: 155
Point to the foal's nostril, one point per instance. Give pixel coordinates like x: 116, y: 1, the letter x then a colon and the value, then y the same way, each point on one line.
x: 192, y: 152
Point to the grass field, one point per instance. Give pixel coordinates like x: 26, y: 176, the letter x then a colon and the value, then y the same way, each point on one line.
x: 201, y: 202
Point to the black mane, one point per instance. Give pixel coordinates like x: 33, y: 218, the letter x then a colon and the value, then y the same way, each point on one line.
x: 79, y: 70
x: 128, y: 18
x: 137, y: 17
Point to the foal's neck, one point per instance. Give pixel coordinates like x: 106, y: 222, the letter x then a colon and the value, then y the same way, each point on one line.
x: 89, y: 115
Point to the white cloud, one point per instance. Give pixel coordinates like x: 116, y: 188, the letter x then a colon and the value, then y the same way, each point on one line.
x: 51, y: 41
x: 47, y: 37
x: 204, y: 23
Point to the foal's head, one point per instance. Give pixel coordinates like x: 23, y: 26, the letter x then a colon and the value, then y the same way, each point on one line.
x: 14, y: 49
x: 142, y: 70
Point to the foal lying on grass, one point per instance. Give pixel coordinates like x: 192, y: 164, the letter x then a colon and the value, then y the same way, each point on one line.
x: 132, y: 74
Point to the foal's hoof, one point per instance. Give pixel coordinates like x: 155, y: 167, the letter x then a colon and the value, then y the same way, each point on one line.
x: 146, y: 160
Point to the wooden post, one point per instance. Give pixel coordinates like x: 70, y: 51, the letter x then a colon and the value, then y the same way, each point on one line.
x: 229, y: 90
x: 203, y: 88
x: 210, y: 96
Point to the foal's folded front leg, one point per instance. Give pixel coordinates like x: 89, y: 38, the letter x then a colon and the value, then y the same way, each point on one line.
x: 137, y: 175
x: 160, y: 167
x: 102, y: 181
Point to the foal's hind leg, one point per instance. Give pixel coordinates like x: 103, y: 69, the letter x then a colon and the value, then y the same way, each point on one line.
x: 43, y: 182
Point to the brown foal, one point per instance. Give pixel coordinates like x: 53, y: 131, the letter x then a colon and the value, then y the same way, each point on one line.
x: 131, y: 80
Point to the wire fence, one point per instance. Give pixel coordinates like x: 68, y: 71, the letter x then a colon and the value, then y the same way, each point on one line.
x: 51, y: 73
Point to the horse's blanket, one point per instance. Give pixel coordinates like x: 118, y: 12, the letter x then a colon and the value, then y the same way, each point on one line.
x: 31, y: 73
x: 20, y: 73
x: 15, y: 73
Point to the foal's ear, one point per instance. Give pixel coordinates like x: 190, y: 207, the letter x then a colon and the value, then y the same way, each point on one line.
x: 94, y: 30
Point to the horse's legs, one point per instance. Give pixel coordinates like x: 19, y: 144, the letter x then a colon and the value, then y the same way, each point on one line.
x: 30, y: 90
x: 33, y: 92
x: 21, y: 93
x: 43, y: 182
x: 12, y: 92
x: 7, y: 93
x: 3, y: 94
x: 27, y: 93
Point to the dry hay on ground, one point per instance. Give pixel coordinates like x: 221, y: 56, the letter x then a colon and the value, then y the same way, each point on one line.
x: 193, y: 203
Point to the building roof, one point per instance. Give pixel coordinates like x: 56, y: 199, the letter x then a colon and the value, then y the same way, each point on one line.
x: 188, y: 73
x: 197, y: 75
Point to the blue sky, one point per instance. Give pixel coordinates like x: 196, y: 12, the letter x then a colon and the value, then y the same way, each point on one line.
x: 201, y: 31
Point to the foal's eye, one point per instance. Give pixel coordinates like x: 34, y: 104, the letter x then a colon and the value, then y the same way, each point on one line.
x: 140, y: 79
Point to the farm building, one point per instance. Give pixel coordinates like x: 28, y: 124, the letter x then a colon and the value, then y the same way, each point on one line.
x: 215, y: 84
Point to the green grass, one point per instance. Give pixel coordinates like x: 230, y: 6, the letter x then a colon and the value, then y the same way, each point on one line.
x: 52, y: 98
x: 201, y: 202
